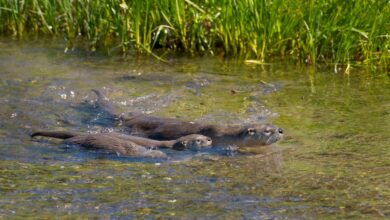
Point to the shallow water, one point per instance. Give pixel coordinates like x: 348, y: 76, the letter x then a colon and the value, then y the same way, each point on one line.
x: 333, y: 163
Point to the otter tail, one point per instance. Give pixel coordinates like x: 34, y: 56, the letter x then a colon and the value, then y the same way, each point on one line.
x: 105, y: 104
x: 56, y: 134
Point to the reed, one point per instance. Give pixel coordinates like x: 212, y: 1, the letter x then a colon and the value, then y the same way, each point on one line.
x: 310, y: 31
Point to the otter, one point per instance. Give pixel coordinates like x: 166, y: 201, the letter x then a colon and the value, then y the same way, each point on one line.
x: 170, y: 128
x: 192, y: 141
x: 103, y: 142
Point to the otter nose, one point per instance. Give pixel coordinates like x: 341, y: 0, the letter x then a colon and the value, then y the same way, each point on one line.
x: 280, y: 131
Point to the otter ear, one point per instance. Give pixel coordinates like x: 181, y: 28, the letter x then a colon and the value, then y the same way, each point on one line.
x: 251, y: 131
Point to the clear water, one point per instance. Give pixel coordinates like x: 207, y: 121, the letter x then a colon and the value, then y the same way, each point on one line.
x: 334, y: 162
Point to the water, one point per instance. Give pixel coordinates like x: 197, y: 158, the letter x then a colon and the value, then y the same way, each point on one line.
x: 334, y: 162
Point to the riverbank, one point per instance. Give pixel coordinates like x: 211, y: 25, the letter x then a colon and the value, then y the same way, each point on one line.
x: 312, y: 31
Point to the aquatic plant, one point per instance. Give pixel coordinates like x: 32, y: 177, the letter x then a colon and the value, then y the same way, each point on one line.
x: 309, y: 31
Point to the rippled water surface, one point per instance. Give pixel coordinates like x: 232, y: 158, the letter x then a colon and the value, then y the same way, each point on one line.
x: 333, y: 163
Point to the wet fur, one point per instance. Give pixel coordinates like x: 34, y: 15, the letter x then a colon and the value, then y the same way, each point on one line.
x: 193, y: 141
x: 169, y: 128
x: 103, y: 142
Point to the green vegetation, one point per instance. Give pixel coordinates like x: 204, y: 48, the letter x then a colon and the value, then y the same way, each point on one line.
x: 311, y: 31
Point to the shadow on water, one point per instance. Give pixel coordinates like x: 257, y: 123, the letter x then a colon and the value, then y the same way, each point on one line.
x: 333, y: 163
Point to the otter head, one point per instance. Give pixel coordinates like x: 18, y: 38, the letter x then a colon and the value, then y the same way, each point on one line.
x: 262, y: 134
x: 192, y: 142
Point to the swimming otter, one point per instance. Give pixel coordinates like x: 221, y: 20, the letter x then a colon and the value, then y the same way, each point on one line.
x: 193, y: 141
x: 103, y: 142
x: 169, y: 128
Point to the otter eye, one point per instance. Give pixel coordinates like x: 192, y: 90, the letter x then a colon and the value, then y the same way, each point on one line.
x: 251, y: 131
x: 197, y: 141
x: 267, y: 132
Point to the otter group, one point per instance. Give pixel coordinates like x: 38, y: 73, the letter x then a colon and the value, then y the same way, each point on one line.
x: 158, y: 132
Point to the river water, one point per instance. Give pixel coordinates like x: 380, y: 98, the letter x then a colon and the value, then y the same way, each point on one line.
x: 334, y: 161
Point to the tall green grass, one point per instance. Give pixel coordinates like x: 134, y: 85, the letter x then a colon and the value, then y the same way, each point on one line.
x: 331, y: 31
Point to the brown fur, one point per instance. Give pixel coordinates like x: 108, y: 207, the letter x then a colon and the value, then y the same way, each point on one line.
x: 193, y: 141
x: 103, y: 142
x: 169, y: 128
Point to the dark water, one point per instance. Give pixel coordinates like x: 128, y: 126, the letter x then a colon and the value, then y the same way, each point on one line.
x: 334, y: 162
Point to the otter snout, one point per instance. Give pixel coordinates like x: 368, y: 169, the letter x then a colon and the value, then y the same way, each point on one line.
x: 203, y: 141
x: 263, y: 134
x: 276, y: 135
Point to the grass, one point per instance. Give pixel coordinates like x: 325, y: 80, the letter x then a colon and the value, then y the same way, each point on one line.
x: 312, y: 31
